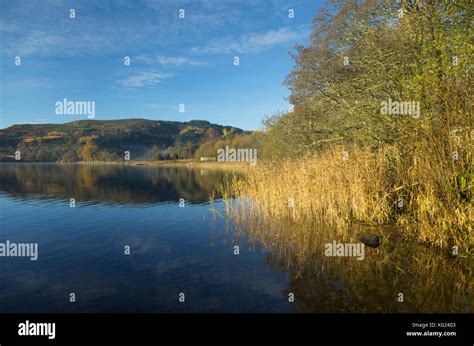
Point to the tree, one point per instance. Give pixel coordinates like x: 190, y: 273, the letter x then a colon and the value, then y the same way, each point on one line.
x: 228, y: 133
x: 89, y: 152
x: 361, y: 54
x: 206, y: 149
x: 42, y: 155
x: 210, y: 134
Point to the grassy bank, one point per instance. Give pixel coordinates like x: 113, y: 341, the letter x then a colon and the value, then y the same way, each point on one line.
x: 423, y: 196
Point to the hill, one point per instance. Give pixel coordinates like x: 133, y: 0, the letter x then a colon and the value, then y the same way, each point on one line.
x: 107, y: 140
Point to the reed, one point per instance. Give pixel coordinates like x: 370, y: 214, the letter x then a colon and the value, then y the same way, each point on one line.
x: 294, y: 207
x: 418, y: 193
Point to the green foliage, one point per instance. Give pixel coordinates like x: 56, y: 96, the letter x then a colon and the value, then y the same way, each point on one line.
x: 408, y: 59
x: 253, y: 140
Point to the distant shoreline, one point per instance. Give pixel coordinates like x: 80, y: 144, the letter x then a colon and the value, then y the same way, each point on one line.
x: 144, y: 163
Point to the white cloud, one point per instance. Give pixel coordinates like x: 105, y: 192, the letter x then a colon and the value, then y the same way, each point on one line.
x: 167, y: 60
x: 38, y: 41
x: 100, y: 29
x: 253, y: 42
x: 143, y: 79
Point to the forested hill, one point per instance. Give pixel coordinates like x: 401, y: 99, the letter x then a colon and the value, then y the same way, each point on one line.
x: 107, y: 140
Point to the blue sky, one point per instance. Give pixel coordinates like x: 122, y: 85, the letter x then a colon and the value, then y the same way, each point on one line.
x: 174, y: 60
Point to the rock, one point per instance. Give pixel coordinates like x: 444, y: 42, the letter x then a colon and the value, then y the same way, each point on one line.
x: 371, y: 240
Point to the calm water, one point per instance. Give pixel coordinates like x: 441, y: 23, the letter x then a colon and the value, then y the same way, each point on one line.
x: 173, y: 249
x: 184, y: 249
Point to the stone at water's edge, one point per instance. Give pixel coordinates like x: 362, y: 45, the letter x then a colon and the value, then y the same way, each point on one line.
x: 371, y: 240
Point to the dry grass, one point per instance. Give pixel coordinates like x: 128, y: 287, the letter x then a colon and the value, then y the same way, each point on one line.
x: 367, y: 187
x: 338, y: 200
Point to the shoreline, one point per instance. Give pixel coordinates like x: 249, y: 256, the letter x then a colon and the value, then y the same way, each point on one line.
x: 143, y: 163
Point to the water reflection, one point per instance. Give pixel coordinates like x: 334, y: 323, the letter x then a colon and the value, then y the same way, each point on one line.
x: 81, y: 249
x: 429, y: 279
x: 175, y: 249
x: 109, y: 183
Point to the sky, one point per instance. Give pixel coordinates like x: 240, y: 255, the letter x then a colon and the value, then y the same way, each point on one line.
x: 173, y: 60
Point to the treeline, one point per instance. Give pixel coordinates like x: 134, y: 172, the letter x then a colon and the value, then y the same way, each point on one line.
x: 208, y: 150
x: 363, y: 53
